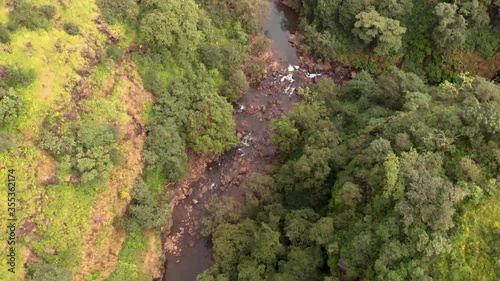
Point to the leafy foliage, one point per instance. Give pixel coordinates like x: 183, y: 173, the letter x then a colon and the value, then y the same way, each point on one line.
x: 47, y: 272
x: 145, y: 210
x: 334, y: 30
x: 400, y: 161
x: 26, y: 15
x: 11, y: 105
x: 384, y: 32
x: 164, y: 150
x: 4, y: 35
x: 118, y: 9
x: 71, y: 28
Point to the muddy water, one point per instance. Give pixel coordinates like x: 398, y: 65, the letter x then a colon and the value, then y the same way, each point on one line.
x: 188, y: 253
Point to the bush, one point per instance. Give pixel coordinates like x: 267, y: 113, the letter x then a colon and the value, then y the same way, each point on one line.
x: 10, y: 105
x: 49, y: 11
x: 164, y: 150
x: 118, y: 9
x: 145, y: 210
x: 256, y: 68
x: 93, y: 164
x: 18, y: 77
x: 93, y: 134
x: 235, y: 85
x: 4, y: 34
x: 71, y: 28
x: 262, y: 44
x: 47, y: 272
x: 152, y: 82
x: 55, y: 144
x: 7, y: 141
x: 28, y: 16
x: 115, y: 52
x: 211, y: 56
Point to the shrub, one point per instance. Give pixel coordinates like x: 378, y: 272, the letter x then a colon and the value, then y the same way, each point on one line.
x: 118, y: 9
x: 93, y: 134
x: 256, y: 68
x: 145, y: 210
x: 17, y: 76
x: 164, y: 150
x: 262, y: 44
x: 55, y: 144
x: 71, y: 28
x: 28, y: 16
x: 7, y: 141
x: 211, y: 56
x: 10, y: 105
x: 235, y: 85
x: 4, y: 34
x: 115, y: 52
x: 47, y: 272
x: 49, y: 11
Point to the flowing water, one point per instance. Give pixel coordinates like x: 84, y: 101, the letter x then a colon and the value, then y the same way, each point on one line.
x: 188, y: 253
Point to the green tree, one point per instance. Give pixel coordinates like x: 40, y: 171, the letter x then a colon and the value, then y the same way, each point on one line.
x: 164, y: 150
x: 451, y: 30
x: 56, y: 144
x: 267, y: 248
x: 395, y: 9
x: 173, y: 24
x: 211, y: 126
x: 93, y: 134
x: 231, y: 242
x: 322, y: 231
x: 302, y: 264
x: 384, y: 33
x: 298, y: 223
x: 322, y: 44
x: 348, y: 11
x: 235, y: 85
x: 286, y: 136
x: 118, y: 9
x: 145, y: 210
x: 93, y: 164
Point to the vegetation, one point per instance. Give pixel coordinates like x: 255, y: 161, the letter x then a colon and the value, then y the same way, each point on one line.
x: 392, y: 176
x: 378, y: 180
x: 387, y: 30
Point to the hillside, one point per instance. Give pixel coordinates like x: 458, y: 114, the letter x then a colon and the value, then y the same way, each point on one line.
x: 249, y: 140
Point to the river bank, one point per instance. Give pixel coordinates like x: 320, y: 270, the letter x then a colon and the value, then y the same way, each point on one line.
x: 187, y: 252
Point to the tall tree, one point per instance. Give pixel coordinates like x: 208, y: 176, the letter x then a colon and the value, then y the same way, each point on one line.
x: 384, y: 33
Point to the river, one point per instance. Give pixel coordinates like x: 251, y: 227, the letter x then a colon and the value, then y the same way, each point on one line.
x: 187, y: 252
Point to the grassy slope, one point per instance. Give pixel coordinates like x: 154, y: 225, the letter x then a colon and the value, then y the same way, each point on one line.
x: 63, y: 213
x: 475, y: 253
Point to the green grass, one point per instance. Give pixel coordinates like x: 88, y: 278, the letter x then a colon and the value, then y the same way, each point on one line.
x: 65, y: 206
x: 130, y: 259
x: 476, y: 254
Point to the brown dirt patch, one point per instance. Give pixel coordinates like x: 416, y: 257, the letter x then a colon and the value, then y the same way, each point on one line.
x: 468, y: 62
x: 151, y: 262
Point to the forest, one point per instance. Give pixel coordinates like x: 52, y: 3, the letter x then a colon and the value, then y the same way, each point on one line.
x: 391, y: 175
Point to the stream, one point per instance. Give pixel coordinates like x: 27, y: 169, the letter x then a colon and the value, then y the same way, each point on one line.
x: 187, y: 251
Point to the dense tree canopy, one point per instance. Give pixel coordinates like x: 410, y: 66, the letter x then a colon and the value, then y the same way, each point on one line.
x: 400, y: 160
